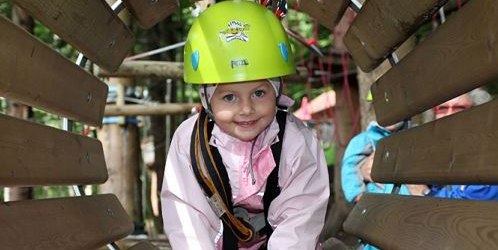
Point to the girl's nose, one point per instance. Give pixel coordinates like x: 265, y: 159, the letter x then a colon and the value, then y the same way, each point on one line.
x: 247, y: 107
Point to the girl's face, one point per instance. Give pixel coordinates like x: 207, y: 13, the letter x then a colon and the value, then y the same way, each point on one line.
x: 243, y: 110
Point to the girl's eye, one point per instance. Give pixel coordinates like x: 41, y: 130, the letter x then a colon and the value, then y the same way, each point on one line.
x: 259, y: 93
x: 229, y: 98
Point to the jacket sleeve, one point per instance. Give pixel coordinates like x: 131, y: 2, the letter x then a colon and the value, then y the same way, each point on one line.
x: 298, y: 213
x: 470, y: 192
x: 351, y: 180
x: 189, y: 222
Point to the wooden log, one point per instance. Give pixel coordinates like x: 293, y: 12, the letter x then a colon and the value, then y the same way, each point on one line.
x: 461, y: 55
x: 86, y: 222
x: 90, y: 26
x: 381, y: 27
x: 173, y: 70
x: 156, y: 109
x: 458, y: 149
x: 149, y: 13
x: 327, y: 12
x: 35, y: 155
x: 419, y: 223
x: 34, y: 74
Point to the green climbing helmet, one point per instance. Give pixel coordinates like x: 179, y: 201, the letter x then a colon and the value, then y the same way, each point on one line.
x: 236, y: 41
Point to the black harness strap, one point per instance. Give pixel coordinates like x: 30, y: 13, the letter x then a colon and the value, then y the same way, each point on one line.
x: 218, y: 195
x: 216, y: 184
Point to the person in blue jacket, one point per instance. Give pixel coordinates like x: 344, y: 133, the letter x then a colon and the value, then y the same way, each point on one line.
x: 357, y: 164
x: 471, y: 192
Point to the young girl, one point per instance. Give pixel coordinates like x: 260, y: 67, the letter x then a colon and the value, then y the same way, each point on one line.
x: 242, y: 174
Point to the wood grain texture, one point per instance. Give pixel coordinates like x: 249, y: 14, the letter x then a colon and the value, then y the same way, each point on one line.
x: 458, y: 149
x: 65, y: 223
x: 150, y: 12
x: 149, y: 109
x: 327, y: 12
x: 381, y: 26
x: 418, y: 223
x: 34, y: 74
x: 35, y: 155
x: 459, y: 56
x: 89, y: 25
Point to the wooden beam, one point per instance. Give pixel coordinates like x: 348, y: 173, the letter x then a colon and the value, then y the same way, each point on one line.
x: 381, y: 27
x: 148, y: 13
x: 444, y: 151
x: 87, y: 222
x: 461, y: 55
x: 90, y: 26
x: 418, y: 223
x: 327, y: 12
x: 156, y: 109
x: 173, y: 70
x: 32, y: 73
x: 35, y: 155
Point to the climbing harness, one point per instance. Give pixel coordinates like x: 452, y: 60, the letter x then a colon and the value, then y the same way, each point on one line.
x: 212, y: 176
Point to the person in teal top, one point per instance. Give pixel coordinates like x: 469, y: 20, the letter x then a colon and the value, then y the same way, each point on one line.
x: 357, y: 159
x: 357, y: 163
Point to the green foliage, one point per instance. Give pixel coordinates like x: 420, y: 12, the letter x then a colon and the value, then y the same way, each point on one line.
x: 5, y: 8
x: 48, y: 37
x: 51, y: 192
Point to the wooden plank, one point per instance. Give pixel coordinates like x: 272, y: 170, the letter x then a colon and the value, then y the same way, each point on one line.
x: 32, y: 73
x: 327, y: 12
x: 381, y: 27
x: 143, y: 245
x: 90, y: 26
x: 173, y: 70
x: 65, y: 223
x: 33, y: 154
x: 149, y: 109
x: 461, y: 55
x: 415, y: 222
x: 149, y: 13
x: 458, y: 149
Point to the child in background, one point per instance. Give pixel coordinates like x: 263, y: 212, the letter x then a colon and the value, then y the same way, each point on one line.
x: 242, y: 174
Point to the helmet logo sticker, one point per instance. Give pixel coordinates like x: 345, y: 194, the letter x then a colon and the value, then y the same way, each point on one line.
x: 235, y: 31
x: 195, y: 60
x: 239, y: 63
x: 284, y: 51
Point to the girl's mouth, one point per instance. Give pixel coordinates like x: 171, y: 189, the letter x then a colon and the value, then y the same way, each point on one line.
x: 246, y: 124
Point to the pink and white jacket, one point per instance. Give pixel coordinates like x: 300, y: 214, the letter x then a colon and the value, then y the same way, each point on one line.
x: 297, y: 214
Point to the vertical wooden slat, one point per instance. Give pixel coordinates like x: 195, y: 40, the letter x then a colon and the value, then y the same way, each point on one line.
x: 461, y: 55
x: 89, y: 25
x: 34, y: 155
x: 73, y: 223
x: 150, y: 12
x: 327, y: 12
x: 460, y: 148
x: 34, y: 74
x: 401, y: 222
x: 381, y: 26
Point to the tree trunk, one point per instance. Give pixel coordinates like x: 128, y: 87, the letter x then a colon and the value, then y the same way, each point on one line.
x: 162, y: 126
x: 21, y: 18
x: 346, y: 113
